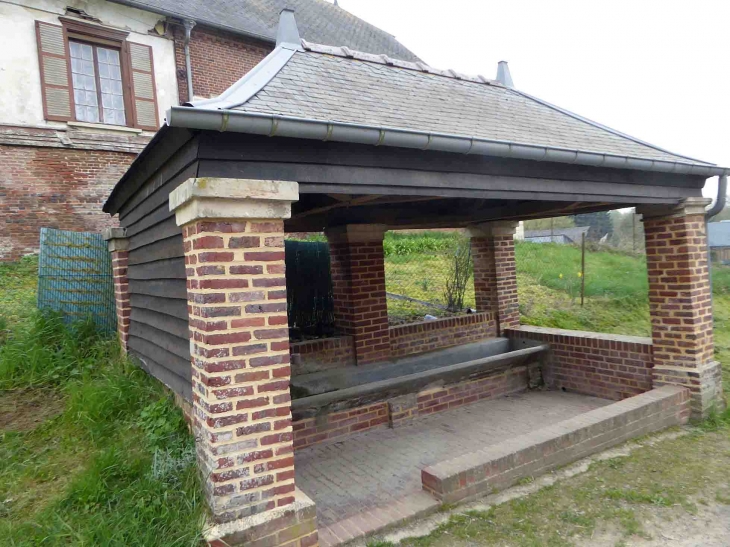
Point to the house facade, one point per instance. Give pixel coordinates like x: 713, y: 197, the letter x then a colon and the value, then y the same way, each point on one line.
x: 86, y: 85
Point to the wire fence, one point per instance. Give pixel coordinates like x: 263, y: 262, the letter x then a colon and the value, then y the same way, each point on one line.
x: 75, y: 277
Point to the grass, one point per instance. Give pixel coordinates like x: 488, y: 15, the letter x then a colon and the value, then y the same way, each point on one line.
x: 93, y: 451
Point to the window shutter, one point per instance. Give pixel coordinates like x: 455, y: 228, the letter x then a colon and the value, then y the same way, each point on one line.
x: 144, y: 96
x: 55, y: 72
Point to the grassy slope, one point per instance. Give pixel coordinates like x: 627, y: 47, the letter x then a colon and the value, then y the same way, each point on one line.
x: 92, y: 450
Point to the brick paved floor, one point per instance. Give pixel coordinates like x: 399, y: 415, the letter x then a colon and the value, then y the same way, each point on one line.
x: 378, y: 467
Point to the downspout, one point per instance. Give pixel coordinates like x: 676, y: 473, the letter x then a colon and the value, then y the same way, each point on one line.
x: 714, y: 210
x: 188, y: 24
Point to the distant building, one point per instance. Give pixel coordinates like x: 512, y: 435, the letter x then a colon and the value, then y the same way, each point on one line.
x: 563, y: 236
x: 718, y: 236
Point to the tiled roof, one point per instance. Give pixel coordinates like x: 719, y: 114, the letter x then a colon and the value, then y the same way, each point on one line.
x: 318, y: 20
x: 338, y: 85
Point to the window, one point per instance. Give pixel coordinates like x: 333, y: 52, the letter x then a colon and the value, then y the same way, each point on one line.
x: 97, y: 83
x: 92, y: 73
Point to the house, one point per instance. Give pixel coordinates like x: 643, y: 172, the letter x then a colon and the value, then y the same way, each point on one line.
x: 718, y: 237
x: 86, y: 84
x: 572, y: 235
x: 353, y: 144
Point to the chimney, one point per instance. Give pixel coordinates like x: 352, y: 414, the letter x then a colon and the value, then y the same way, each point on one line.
x: 503, y: 75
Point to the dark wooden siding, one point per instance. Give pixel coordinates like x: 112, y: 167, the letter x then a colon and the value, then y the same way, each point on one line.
x: 158, y: 334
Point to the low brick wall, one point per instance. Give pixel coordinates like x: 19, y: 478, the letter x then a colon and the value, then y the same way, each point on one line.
x: 502, y: 465
x: 322, y: 354
x: 441, y: 333
x: 401, y: 410
x: 331, y: 426
x: 603, y: 365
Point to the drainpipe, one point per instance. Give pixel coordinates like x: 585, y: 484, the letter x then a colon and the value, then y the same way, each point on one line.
x: 714, y: 210
x: 188, y: 24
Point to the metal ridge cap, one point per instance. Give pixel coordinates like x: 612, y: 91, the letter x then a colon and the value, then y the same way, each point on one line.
x: 220, y: 120
x: 251, y: 83
x: 606, y: 128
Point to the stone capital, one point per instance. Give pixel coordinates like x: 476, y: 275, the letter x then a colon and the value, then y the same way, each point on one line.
x: 695, y: 205
x: 496, y: 228
x: 116, y: 239
x: 219, y: 198
x: 355, y: 233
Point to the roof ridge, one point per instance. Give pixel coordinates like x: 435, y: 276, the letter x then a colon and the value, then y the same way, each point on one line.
x: 382, y: 59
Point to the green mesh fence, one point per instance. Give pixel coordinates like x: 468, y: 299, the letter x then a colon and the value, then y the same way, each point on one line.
x: 75, y: 277
x: 309, y: 287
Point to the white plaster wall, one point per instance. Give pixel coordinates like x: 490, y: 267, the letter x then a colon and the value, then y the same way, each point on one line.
x: 20, y: 82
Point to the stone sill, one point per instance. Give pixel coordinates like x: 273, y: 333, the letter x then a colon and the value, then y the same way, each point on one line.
x: 104, y: 127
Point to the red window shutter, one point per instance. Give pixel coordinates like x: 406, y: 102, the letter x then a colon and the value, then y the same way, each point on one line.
x: 144, y: 95
x: 56, y: 86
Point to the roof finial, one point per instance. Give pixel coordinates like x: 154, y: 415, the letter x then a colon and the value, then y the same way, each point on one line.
x: 288, y: 33
x: 503, y: 75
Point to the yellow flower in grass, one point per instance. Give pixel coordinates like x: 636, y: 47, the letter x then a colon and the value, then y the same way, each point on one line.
x: 580, y: 274
x: 561, y: 276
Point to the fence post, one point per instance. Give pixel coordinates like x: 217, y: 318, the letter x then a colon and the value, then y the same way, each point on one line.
x: 582, y: 268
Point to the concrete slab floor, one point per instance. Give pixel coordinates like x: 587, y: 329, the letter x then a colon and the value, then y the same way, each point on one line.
x: 376, y: 468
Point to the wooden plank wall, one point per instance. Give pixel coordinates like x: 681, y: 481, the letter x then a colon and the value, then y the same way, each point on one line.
x: 158, y: 333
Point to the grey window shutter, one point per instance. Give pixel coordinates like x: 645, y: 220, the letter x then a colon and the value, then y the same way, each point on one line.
x: 55, y: 74
x: 144, y: 96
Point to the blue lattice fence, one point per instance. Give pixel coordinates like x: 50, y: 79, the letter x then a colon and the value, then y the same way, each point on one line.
x: 75, y: 277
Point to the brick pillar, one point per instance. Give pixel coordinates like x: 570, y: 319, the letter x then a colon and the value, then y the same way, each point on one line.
x: 234, y: 254
x: 680, y: 302
x: 358, y: 286
x: 495, y: 280
x: 119, y: 249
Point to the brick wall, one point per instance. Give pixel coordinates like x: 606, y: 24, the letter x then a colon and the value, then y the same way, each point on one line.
x: 430, y: 335
x: 55, y: 188
x: 504, y: 464
x: 322, y: 354
x: 603, y: 365
x: 323, y: 428
x: 401, y: 410
x: 218, y: 60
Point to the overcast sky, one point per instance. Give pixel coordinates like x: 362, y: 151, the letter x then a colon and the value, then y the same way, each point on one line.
x: 657, y: 70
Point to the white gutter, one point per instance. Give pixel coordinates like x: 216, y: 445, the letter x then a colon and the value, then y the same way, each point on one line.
x: 272, y: 125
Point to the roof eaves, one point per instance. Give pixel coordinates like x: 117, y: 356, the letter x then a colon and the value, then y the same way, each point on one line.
x: 305, y: 128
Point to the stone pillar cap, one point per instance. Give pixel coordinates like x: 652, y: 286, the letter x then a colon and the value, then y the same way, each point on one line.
x: 114, y: 233
x: 355, y: 233
x: 695, y: 205
x: 220, y: 198
x: 495, y: 228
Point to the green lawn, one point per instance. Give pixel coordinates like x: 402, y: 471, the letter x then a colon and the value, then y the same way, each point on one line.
x: 93, y: 451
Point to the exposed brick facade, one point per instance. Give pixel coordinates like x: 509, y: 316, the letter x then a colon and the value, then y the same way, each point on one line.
x: 442, y: 333
x: 358, y: 288
x: 401, y: 410
x: 322, y: 354
x: 680, y: 301
x: 118, y: 247
x: 495, y: 272
x: 218, y: 60
x: 55, y: 188
x: 603, y: 365
x: 240, y: 345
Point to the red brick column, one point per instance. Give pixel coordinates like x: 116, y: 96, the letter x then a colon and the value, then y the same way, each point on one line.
x: 240, y: 354
x: 495, y: 280
x: 680, y: 302
x: 358, y: 286
x: 118, y: 247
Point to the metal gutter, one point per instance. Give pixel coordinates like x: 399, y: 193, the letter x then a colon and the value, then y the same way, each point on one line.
x: 183, y: 16
x: 719, y: 204
x: 289, y: 126
x: 188, y: 24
